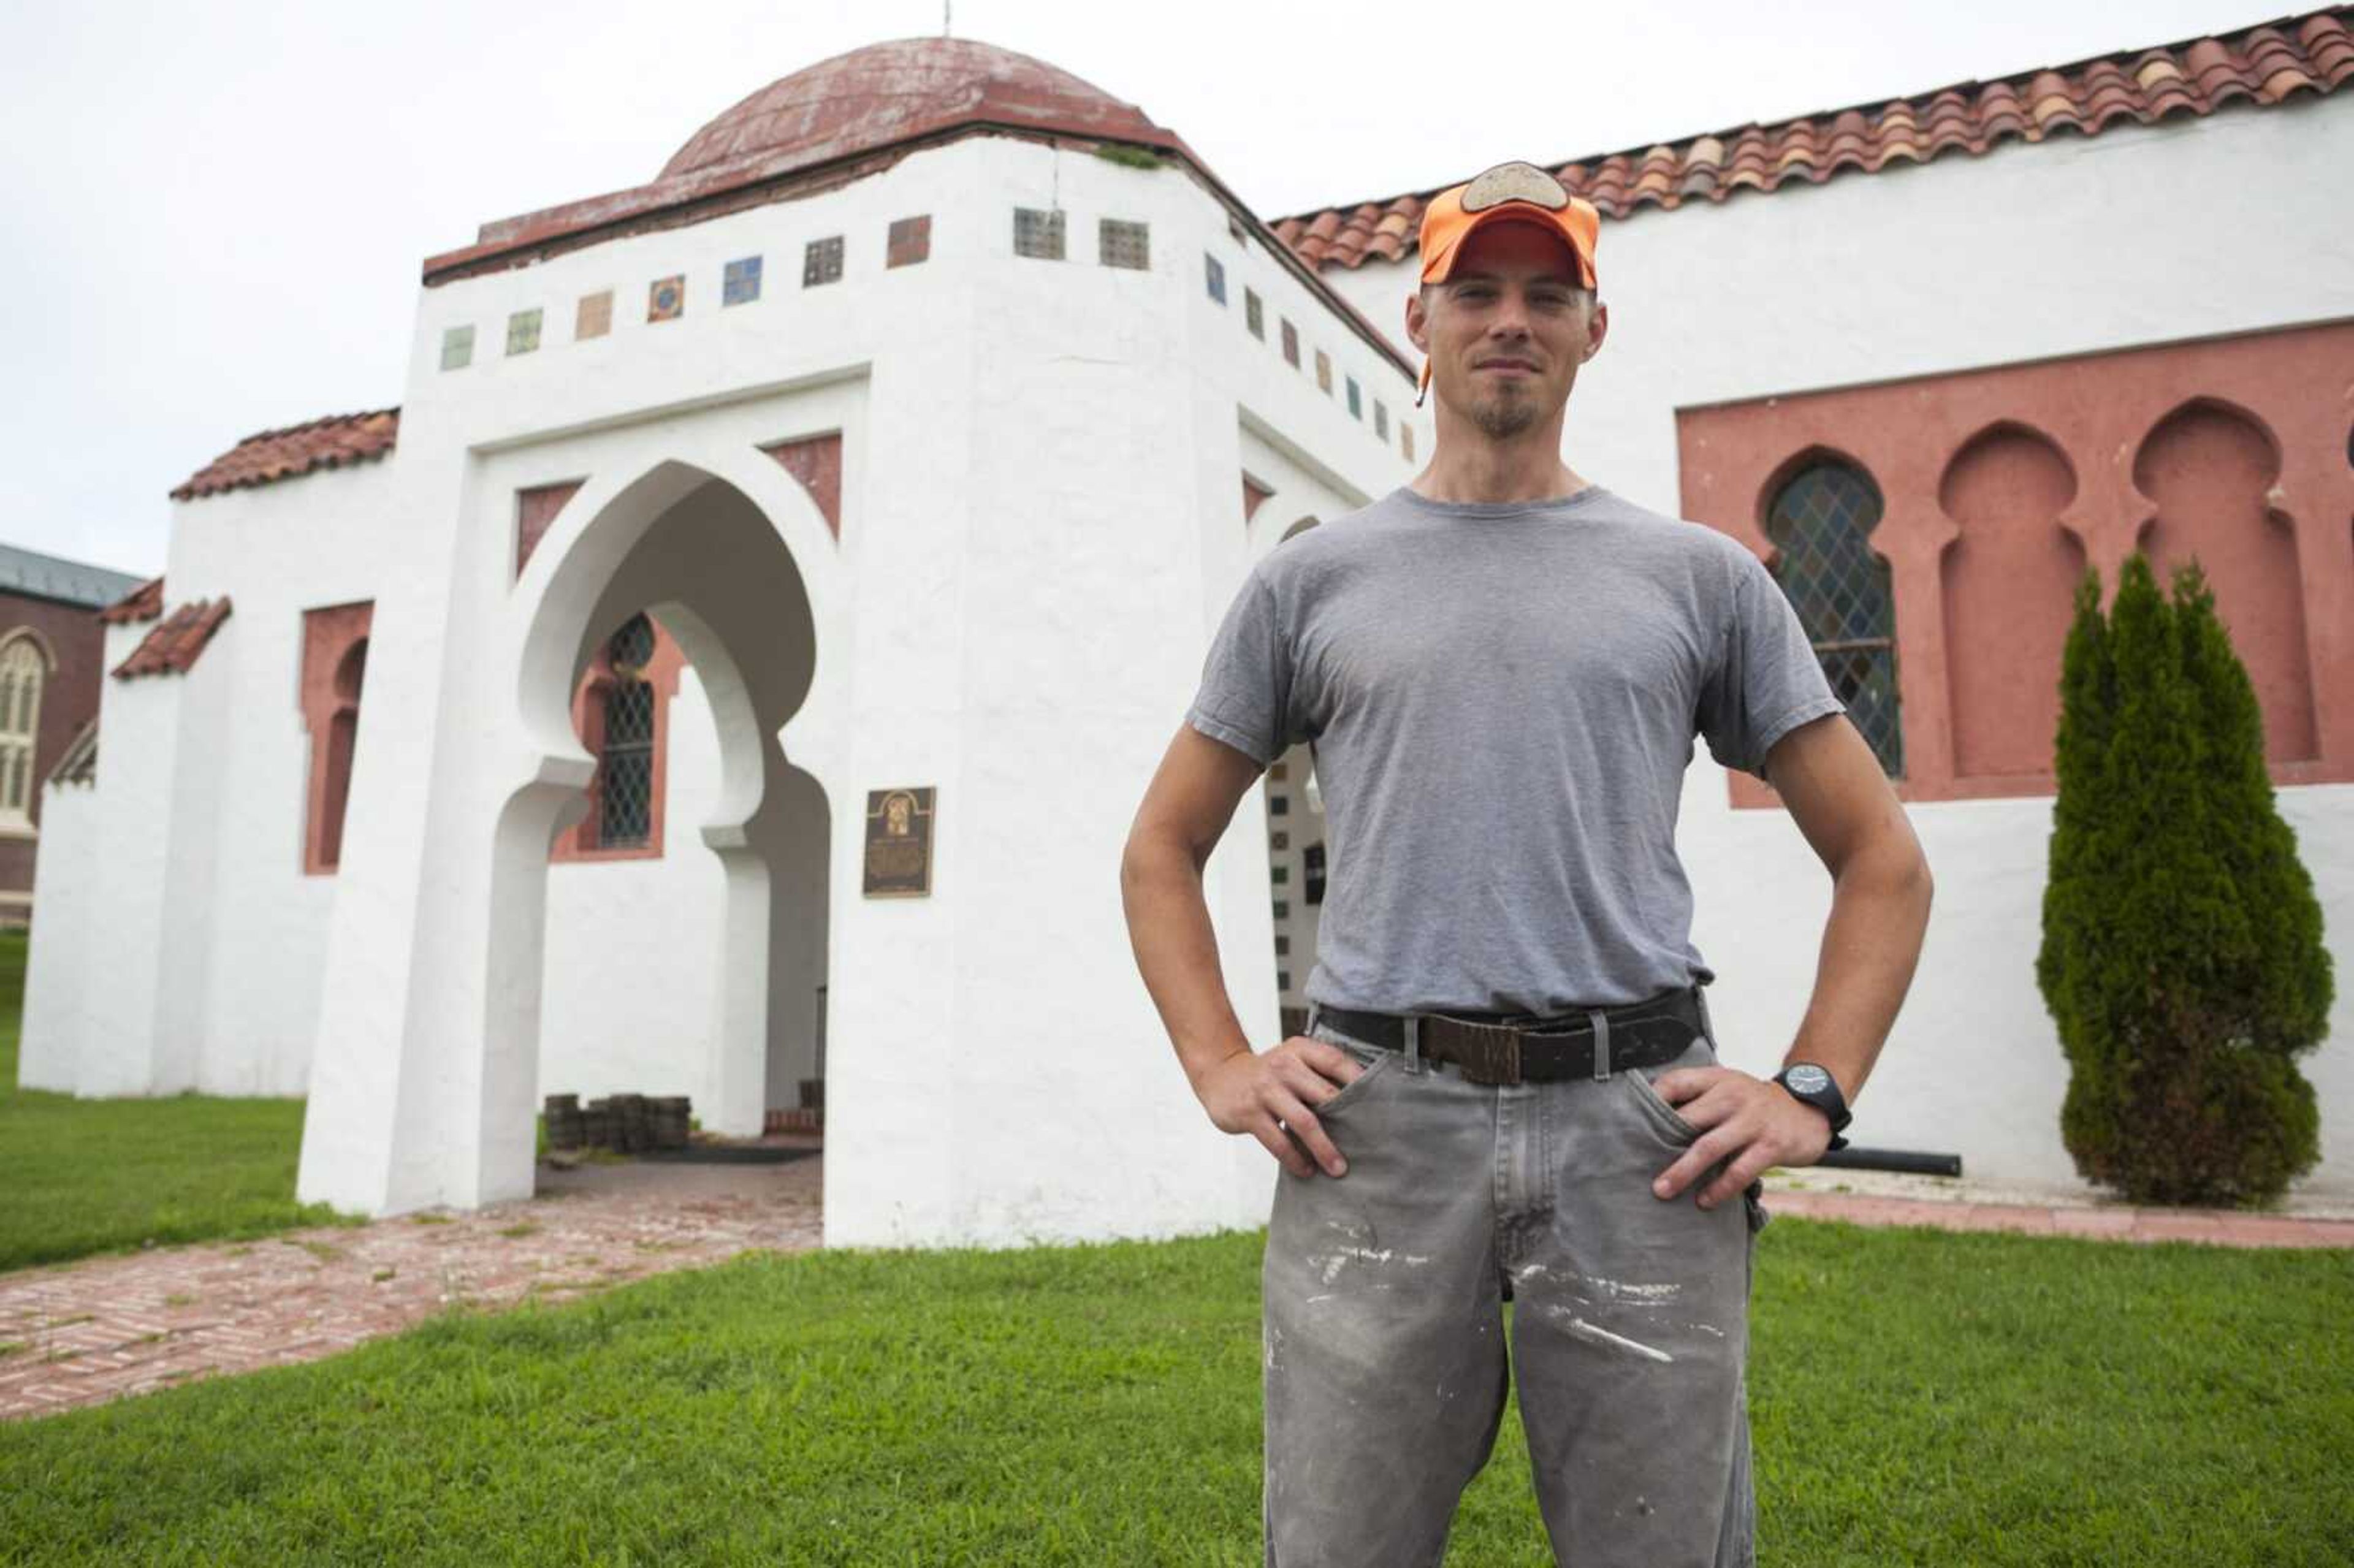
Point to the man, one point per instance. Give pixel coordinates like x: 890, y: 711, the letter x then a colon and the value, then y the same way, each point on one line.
x: 1510, y: 1087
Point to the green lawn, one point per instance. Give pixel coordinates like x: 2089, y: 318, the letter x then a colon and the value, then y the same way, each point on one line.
x: 1918, y: 1397
x: 79, y: 1177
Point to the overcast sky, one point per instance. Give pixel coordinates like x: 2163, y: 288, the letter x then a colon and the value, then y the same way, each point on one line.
x: 216, y: 212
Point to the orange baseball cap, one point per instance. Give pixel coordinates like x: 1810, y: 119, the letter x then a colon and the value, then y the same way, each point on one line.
x: 1509, y: 193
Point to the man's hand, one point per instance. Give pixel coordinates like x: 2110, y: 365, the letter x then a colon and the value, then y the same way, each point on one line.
x: 1263, y: 1093
x: 1753, y: 1122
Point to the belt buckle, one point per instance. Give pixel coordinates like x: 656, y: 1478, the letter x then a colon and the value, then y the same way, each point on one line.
x: 1486, y: 1053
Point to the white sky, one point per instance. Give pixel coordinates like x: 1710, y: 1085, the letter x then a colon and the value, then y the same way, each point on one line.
x: 215, y: 214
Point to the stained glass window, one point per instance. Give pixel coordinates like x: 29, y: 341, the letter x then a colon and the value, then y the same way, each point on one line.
x: 1821, y: 523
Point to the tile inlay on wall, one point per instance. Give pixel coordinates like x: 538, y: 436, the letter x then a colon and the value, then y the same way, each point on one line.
x: 523, y: 332
x: 1323, y: 371
x: 910, y: 242
x: 1291, y: 345
x: 666, y: 299
x: 1253, y: 314
x: 1119, y: 243
x: 1213, y: 273
x: 1381, y: 418
x: 458, y: 347
x: 1356, y: 401
x: 1038, y: 232
x: 595, y: 317
x: 1405, y: 440
x: 821, y: 261
x: 739, y: 282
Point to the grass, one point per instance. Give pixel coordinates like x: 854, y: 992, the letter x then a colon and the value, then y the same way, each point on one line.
x: 1917, y: 1397
x: 79, y: 1177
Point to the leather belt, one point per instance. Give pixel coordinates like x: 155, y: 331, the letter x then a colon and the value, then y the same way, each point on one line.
x: 1490, y: 1050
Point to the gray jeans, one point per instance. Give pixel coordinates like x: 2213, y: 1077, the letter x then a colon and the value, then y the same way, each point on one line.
x: 1384, y: 1333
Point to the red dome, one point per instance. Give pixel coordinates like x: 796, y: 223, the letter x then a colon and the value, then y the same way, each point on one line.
x: 890, y: 92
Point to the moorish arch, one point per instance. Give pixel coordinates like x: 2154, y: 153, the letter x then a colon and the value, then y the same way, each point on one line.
x: 2007, y: 585
x: 724, y: 577
x: 2208, y: 470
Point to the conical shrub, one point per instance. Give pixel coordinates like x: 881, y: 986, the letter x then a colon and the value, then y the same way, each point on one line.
x: 2182, y: 958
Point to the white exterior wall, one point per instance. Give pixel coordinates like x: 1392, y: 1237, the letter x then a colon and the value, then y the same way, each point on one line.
x: 2029, y: 252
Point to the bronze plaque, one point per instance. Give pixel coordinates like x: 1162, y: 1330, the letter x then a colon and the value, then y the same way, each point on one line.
x: 899, y: 843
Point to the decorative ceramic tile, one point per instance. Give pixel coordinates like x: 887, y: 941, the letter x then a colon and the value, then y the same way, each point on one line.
x: 1279, y: 771
x: 1283, y: 947
x: 1119, y: 243
x: 523, y: 332
x: 1278, y: 841
x: 666, y: 299
x: 1356, y: 401
x: 1381, y: 419
x: 1282, y: 909
x: 1253, y: 314
x: 1291, y: 345
x: 1405, y: 440
x: 1037, y: 232
x: 1278, y: 874
x: 821, y: 261
x: 1323, y: 371
x: 1278, y: 806
x: 910, y: 242
x: 595, y: 317
x: 1213, y: 273
x: 739, y: 282
x: 458, y: 347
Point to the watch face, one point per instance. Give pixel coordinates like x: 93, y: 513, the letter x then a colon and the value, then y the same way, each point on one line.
x: 1806, y: 1077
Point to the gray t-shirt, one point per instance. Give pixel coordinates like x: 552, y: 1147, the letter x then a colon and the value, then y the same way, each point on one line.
x: 1501, y: 699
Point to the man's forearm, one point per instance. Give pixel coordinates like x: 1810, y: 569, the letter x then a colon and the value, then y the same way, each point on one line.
x: 1177, y: 953
x: 1879, y: 914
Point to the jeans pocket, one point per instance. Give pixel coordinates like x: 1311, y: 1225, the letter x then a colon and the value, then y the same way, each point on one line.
x: 1655, y: 1105
x: 1373, y: 1059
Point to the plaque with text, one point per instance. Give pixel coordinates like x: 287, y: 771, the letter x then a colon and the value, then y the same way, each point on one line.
x: 899, y: 843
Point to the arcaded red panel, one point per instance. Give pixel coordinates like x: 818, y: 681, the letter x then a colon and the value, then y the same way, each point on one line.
x: 535, y: 509
x: 816, y: 461
x: 144, y: 602
x: 330, y: 442
x: 173, y: 648
x: 2310, y: 53
x: 335, y: 656
x: 2000, y: 485
x: 578, y: 842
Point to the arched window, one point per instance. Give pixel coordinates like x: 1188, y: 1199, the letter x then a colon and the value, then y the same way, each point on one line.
x: 625, y: 763
x: 1820, y: 522
x: 22, y: 670
x: 334, y: 668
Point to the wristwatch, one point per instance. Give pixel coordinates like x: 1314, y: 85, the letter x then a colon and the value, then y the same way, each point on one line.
x: 1812, y: 1085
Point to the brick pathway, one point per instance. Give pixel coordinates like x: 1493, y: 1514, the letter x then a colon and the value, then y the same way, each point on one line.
x: 2116, y: 1223
x: 102, y: 1328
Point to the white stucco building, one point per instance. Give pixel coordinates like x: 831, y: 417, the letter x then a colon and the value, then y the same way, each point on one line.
x: 929, y: 407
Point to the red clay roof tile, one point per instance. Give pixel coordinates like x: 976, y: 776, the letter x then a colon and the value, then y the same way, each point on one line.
x: 330, y: 442
x: 2311, y: 52
x: 173, y: 648
x: 144, y: 602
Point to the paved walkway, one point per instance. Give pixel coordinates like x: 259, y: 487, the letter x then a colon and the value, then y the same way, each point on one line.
x: 104, y: 1328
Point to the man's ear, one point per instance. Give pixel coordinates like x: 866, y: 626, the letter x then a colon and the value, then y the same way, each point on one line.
x: 1417, y: 330
x: 1597, y: 330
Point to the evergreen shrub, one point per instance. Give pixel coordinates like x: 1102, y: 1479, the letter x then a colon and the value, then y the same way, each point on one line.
x: 2182, y: 957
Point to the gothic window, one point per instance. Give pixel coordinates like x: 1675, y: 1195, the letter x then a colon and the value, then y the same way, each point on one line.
x: 23, y: 670
x: 334, y: 669
x: 1821, y: 523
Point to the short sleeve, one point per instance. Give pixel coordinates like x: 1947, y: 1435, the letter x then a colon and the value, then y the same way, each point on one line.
x: 1767, y: 681
x: 1245, y: 698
